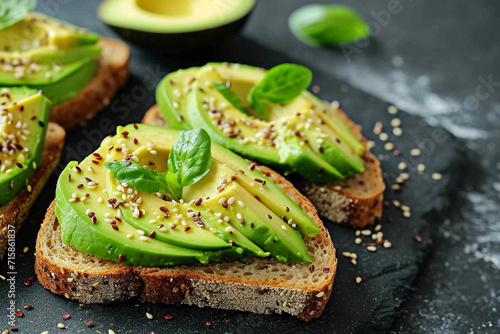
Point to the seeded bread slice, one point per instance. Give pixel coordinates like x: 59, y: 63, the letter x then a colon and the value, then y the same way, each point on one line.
x: 356, y: 200
x: 259, y: 286
x: 112, y: 73
x: 16, y: 211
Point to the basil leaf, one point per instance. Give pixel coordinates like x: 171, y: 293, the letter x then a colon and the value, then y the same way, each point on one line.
x: 231, y: 97
x: 13, y: 11
x: 326, y: 25
x: 173, y: 184
x: 257, y: 103
x: 284, y: 82
x: 191, y: 156
x: 140, y: 178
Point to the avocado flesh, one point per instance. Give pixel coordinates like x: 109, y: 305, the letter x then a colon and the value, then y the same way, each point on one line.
x: 281, y: 205
x: 259, y: 224
x: 23, y: 125
x: 285, y: 139
x: 48, y: 54
x: 94, y: 185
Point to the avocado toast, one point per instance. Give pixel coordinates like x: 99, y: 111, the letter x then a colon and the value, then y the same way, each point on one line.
x: 233, y: 236
x: 298, y: 133
x: 31, y: 149
x: 76, y: 69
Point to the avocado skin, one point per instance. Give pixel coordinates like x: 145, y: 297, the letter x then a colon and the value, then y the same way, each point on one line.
x: 182, y: 42
x: 11, y: 184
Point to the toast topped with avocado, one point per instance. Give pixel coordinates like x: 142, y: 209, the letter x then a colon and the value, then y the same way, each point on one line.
x: 173, y: 217
x: 31, y: 149
x: 269, y: 117
x: 76, y: 69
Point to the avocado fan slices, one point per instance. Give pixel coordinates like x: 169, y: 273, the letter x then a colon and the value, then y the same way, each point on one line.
x: 301, y: 135
x: 218, y: 217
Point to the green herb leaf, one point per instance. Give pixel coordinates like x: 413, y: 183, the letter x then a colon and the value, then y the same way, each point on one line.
x: 257, y: 103
x: 191, y: 157
x: 13, y: 11
x: 281, y: 84
x: 173, y: 184
x: 326, y: 25
x: 141, y: 178
x: 231, y: 97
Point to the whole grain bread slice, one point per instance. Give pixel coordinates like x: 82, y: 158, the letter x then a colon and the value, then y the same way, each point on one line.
x: 260, y: 285
x: 112, y: 73
x: 14, y: 213
x: 356, y: 200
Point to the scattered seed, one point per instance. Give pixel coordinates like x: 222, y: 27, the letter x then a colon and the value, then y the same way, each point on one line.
x: 421, y: 168
x: 61, y: 326
x: 418, y: 238
x: 395, y: 122
x: 366, y: 232
x: 415, y: 152
x: 149, y: 315
x: 371, y: 248
x: 402, y: 166
x: 389, y: 146
x: 357, y: 241
x: 387, y: 244
x: 397, y: 132
x: 358, y: 280
x: 392, y: 110
x: 377, y: 129
x: 383, y: 136
x: 437, y: 176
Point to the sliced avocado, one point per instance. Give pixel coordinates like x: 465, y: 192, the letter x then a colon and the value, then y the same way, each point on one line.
x: 258, y: 223
x: 47, y: 54
x: 175, y: 25
x: 301, y: 135
x: 23, y: 125
x: 114, y: 221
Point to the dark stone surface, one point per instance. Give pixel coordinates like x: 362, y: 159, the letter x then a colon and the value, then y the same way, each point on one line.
x: 445, y: 298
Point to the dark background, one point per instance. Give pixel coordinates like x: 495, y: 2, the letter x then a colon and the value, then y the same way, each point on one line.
x: 435, y: 59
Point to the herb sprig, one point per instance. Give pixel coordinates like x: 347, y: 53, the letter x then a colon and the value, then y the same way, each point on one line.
x: 189, y: 160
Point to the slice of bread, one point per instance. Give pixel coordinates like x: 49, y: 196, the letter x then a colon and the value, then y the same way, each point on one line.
x: 260, y: 285
x: 356, y: 200
x: 112, y: 73
x: 16, y: 211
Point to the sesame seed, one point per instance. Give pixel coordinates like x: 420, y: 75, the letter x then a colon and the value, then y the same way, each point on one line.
x: 402, y: 166
x: 357, y: 241
x: 149, y: 315
x: 61, y: 326
x: 240, y: 203
x: 358, y: 280
x: 144, y: 238
x: 389, y: 146
x: 383, y: 136
x: 406, y: 214
x: 387, y: 244
x: 397, y: 132
x: 377, y: 129
x: 392, y: 110
x: 395, y: 122
x: 371, y: 248
x: 366, y: 232
x: 421, y: 168
x: 130, y: 236
x: 346, y: 254
x: 437, y: 176
x: 415, y: 152
x: 283, y: 227
x: 378, y: 228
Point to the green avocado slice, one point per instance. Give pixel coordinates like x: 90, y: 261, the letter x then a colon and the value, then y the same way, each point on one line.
x: 47, y: 54
x: 285, y: 139
x: 25, y: 113
x: 258, y: 223
x: 114, y: 221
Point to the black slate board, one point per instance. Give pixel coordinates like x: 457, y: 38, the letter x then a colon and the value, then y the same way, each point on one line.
x: 387, y: 274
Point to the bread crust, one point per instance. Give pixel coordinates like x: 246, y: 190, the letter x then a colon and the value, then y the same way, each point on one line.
x: 112, y: 73
x: 341, y: 201
x: 16, y: 211
x: 201, y: 285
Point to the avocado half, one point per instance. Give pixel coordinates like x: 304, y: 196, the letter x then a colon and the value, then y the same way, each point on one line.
x: 175, y: 25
